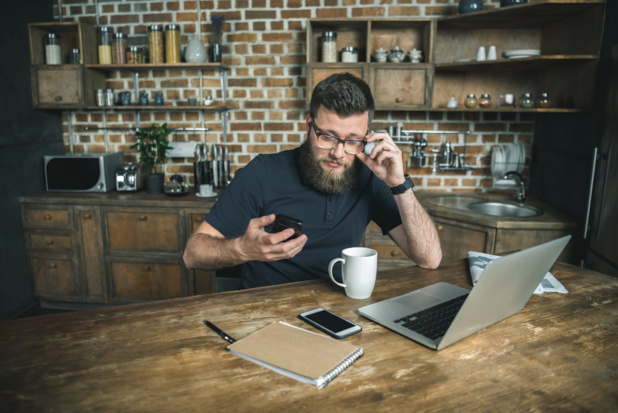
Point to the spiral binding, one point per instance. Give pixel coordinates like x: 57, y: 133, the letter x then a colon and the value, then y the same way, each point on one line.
x: 339, y: 368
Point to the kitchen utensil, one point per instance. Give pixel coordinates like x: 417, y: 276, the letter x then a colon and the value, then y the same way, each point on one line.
x: 215, y: 164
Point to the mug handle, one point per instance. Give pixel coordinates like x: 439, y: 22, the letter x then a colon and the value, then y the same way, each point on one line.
x: 330, y: 270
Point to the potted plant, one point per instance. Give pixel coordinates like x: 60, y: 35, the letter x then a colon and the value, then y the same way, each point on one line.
x: 152, y: 145
x: 217, y: 22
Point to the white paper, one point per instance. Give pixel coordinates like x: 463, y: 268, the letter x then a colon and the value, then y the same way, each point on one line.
x: 479, y: 260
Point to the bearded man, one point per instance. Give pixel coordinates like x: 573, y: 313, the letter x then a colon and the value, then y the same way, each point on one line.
x: 329, y: 184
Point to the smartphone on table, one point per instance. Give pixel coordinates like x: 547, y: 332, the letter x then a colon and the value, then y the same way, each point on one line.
x: 330, y: 323
x: 283, y: 222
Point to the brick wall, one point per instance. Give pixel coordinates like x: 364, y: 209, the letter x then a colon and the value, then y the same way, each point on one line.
x: 264, y: 46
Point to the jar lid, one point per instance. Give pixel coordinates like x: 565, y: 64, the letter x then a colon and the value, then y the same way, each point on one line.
x: 134, y: 48
x: 154, y: 28
x: 527, y: 94
x: 485, y: 95
x: 120, y: 36
x: 471, y: 95
x: 105, y: 29
x: 329, y: 35
x: 350, y: 49
x: 52, y: 36
x: 172, y: 27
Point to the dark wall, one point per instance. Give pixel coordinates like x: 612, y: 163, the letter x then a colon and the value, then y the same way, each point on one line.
x: 563, y: 146
x: 26, y: 135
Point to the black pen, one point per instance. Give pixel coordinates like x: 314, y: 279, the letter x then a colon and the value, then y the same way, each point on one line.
x: 219, y: 331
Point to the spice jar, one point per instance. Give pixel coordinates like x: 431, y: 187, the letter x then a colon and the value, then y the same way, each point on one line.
x: 485, y: 101
x: 119, y: 47
x: 53, y: 54
x: 74, y: 57
x: 349, y: 55
x: 470, y: 101
x: 329, y: 47
x: 544, y: 100
x: 109, y: 97
x: 100, y: 97
x: 155, y: 44
x: 105, y: 45
x: 526, y: 101
x: 134, y: 55
x: 172, y: 43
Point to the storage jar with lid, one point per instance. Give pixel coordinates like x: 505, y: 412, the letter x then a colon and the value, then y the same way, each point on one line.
x: 53, y: 53
x: 74, y: 56
x: 526, y: 101
x: 100, y: 97
x: 329, y: 47
x: 172, y: 43
x: 349, y: 55
x: 544, y: 100
x: 134, y: 55
x: 155, y: 44
x: 485, y: 101
x: 470, y: 101
x: 105, y: 45
x: 119, y: 47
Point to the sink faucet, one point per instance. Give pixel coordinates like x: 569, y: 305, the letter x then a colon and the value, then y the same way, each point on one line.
x: 521, y: 195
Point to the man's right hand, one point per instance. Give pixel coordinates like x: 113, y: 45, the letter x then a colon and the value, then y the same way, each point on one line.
x: 259, y: 245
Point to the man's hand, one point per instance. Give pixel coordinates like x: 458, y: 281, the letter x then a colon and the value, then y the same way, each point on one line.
x: 385, y: 160
x: 258, y: 245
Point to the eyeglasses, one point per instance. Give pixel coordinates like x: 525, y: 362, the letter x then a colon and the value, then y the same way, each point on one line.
x: 351, y: 146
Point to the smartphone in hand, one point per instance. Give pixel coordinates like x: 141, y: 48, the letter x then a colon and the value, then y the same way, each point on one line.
x: 283, y: 222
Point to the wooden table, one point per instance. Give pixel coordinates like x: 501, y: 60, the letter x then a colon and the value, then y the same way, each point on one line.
x: 560, y: 353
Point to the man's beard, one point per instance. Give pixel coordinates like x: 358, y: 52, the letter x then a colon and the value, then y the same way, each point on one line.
x: 321, y: 179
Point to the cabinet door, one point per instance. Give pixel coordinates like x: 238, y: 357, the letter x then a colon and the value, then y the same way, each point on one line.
x: 147, y: 231
x: 458, y: 238
x: 398, y: 86
x: 93, y: 270
x: 137, y: 281
x: 320, y: 71
x: 57, y: 87
x: 54, y: 278
x: 204, y: 281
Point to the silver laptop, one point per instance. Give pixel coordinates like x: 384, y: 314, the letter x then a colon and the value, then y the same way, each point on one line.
x: 442, y: 314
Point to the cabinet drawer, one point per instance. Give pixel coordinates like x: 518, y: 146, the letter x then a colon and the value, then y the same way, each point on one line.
x: 49, y: 242
x: 143, y: 231
x: 401, y: 87
x: 458, y: 238
x: 147, y: 281
x: 34, y: 217
x: 54, y: 277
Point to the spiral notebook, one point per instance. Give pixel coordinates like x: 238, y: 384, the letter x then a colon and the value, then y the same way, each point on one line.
x: 297, y: 353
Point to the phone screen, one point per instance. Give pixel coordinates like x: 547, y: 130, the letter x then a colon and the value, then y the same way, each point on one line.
x: 329, y: 320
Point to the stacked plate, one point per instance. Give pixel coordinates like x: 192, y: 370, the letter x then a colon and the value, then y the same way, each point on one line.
x: 518, y: 54
x: 507, y: 158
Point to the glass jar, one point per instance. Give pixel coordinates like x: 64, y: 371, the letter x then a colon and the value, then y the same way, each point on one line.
x: 485, y: 101
x: 470, y: 101
x: 74, y: 56
x: 172, y: 43
x: 526, y: 101
x: 349, y: 55
x: 155, y: 44
x: 120, y: 45
x: 105, y: 45
x: 53, y: 53
x: 100, y: 97
x: 544, y: 100
x: 109, y: 97
x: 329, y: 47
x: 134, y: 55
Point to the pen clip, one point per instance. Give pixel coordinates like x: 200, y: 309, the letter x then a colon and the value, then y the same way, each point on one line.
x: 220, y: 332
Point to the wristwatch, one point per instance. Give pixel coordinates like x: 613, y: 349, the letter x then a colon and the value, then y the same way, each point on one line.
x: 400, y: 189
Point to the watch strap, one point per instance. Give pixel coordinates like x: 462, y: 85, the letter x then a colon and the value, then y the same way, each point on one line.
x: 400, y: 189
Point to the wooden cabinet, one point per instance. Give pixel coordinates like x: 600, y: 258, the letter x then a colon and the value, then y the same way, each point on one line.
x: 567, y: 34
x: 112, y: 248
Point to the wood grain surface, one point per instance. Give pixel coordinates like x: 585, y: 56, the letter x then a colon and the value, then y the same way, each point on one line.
x: 560, y: 353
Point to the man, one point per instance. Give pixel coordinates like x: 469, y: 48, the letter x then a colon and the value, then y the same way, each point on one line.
x: 329, y: 184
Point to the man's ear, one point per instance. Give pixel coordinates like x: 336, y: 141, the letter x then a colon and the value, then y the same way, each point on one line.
x: 308, y: 124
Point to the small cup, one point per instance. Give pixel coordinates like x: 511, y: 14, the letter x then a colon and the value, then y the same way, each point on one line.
x: 491, y: 54
x: 205, y: 190
x: 125, y: 98
x: 359, y: 268
x: 481, y: 55
x: 192, y: 101
x: 143, y: 99
x: 158, y: 99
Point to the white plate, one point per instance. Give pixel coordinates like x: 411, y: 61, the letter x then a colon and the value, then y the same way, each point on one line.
x: 464, y: 60
x: 521, y: 53
x: 206, y: 195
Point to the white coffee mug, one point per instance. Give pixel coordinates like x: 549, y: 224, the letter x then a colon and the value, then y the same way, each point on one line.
x: 359, y: 267
x: 205, y: 189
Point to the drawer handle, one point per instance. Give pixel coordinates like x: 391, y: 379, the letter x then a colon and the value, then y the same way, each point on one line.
x: 394, y: 253
x: 88, y: 216
x: 440, y: 227
x: 399, y: 100
x: 50, y: 242
x: 52, y: 266
x: 47, y: 217
x: 143, y: 218
x: 199, y: 219
x: 58, y: 98
x: 147, y: 268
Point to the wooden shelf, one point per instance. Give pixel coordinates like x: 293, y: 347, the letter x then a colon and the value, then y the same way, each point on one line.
x: 184, y: 108
x: 522, y: 64
x: 160, y: 66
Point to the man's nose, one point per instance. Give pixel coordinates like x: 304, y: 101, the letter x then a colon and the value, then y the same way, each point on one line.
x: 339, y: 150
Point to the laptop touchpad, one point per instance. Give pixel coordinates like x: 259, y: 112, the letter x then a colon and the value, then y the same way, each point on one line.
x: 418, y: 300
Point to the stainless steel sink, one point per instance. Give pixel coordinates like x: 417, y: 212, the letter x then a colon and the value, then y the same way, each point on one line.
x: 504, y: 209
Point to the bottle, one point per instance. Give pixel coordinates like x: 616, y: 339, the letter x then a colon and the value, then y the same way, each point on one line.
x: 485, y: 101
x: 53, y: 53
x: 105, y: 46
x: 155, y: 44
x: 119, y: 47
x: 329, y: 47
x: 470, y: 101
x: 526, y: 101
x: 172, y: 43
x: 544, y: 100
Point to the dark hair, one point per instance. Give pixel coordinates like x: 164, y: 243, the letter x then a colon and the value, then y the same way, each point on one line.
x: 344, y: 94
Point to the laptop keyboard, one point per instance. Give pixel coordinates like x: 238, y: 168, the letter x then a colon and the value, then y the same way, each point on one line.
x: 433, y: 322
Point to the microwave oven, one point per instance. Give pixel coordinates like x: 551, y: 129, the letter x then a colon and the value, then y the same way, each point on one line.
x: 82, y: 173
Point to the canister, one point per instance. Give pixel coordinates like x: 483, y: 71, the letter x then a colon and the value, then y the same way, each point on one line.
x: 134, y: 55
x: 109, y: 97
x: 74, y: 56
x: 155, y: 44
x: 119, y: 47
x: 53, y: 53
x: 105, y: 45
x: 329, y: 47
x: 100, y: 97
x: 172, y: 43
x: 349, y: 55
